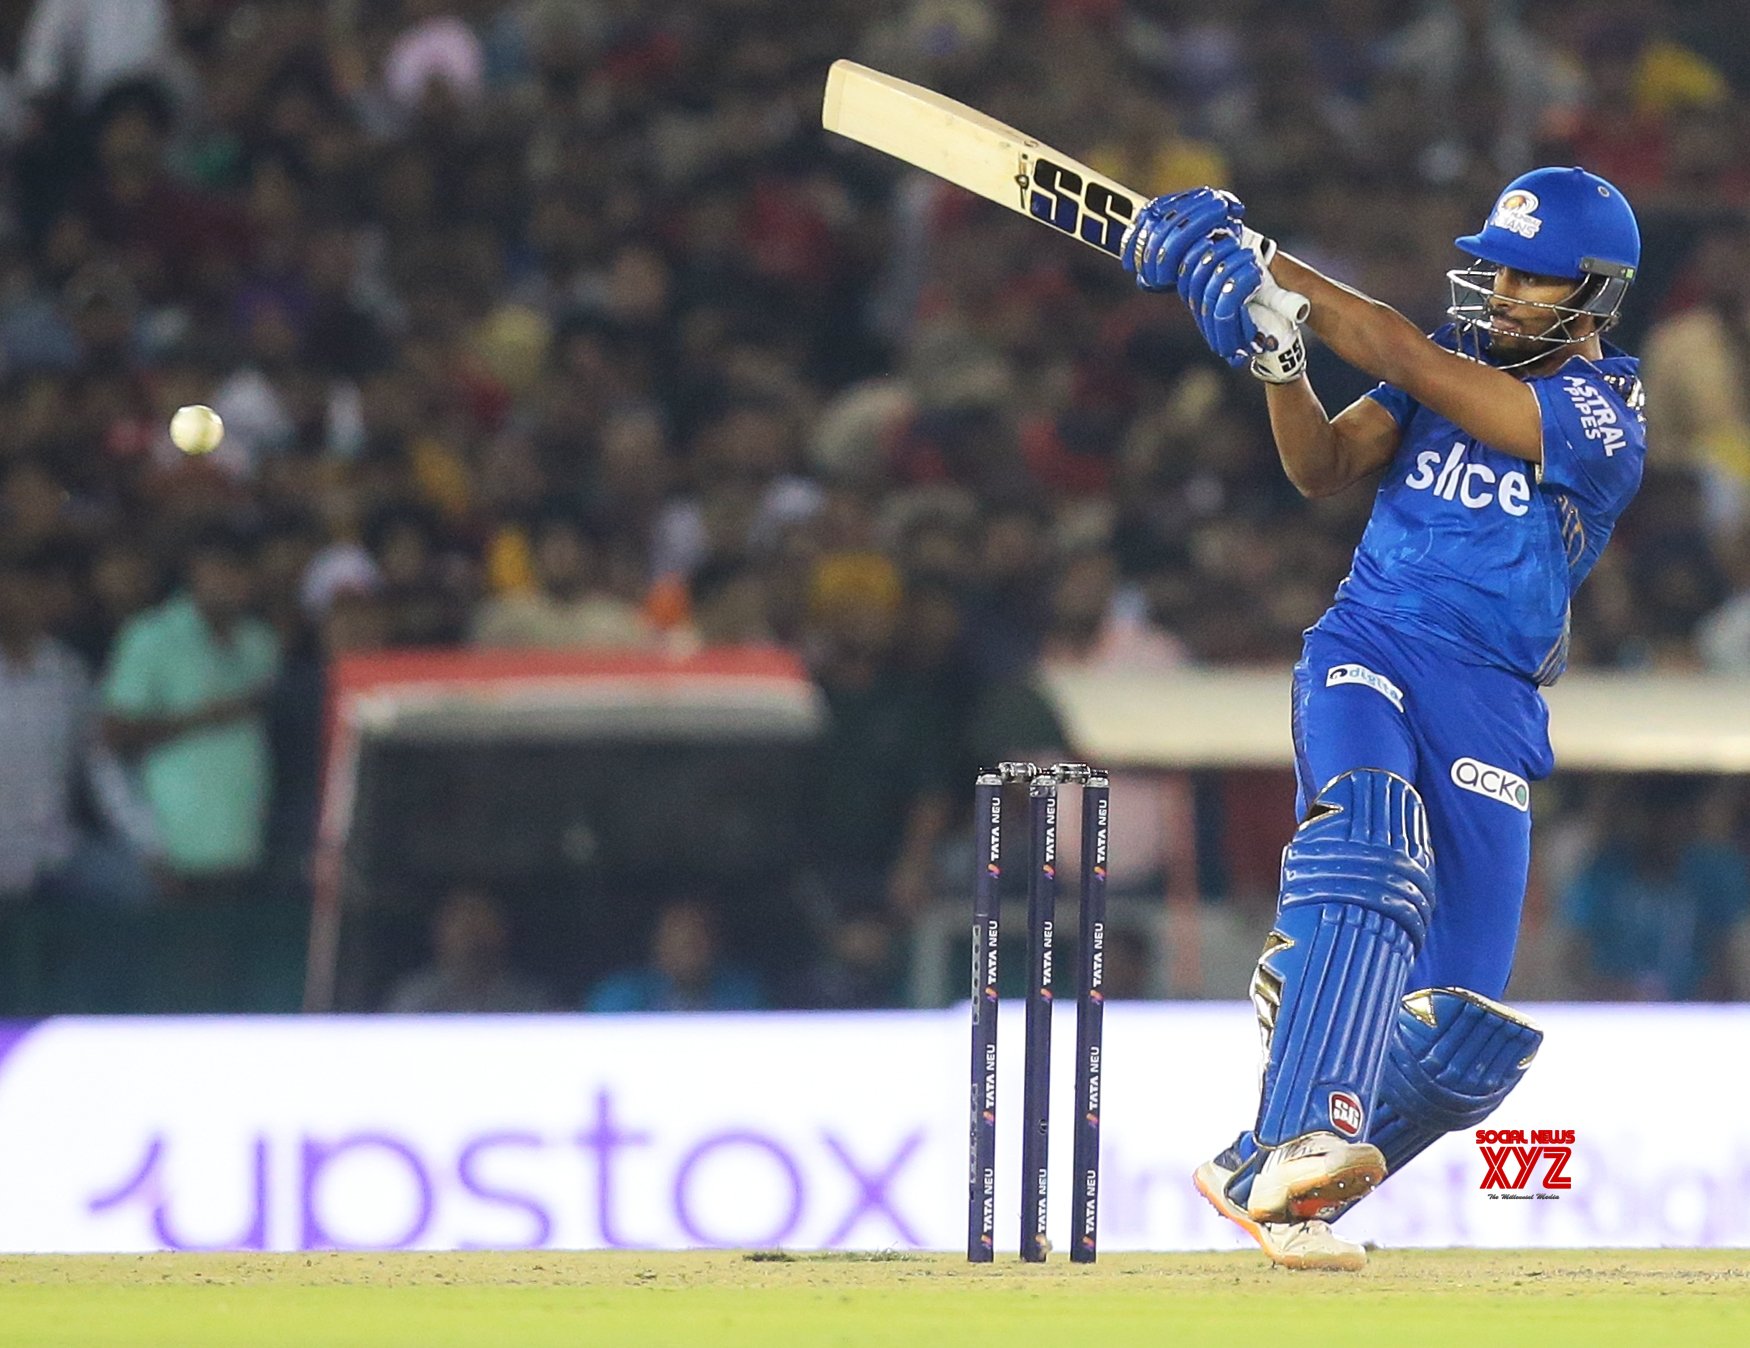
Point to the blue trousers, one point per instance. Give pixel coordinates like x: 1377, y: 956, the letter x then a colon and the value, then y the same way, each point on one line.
x: 1469, y: 737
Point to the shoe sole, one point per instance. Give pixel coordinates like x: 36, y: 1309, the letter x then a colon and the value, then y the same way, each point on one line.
x: 1216, y: 1195
x: 1325, y: 1196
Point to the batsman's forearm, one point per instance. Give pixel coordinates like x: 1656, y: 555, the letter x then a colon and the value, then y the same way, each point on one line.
x: 1371, y: 336
x: 1305, y: 440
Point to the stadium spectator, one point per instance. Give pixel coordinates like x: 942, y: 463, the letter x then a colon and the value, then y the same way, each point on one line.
x: 572, y: 605
x: 424, y: 588
x: 120, y: 579
x: 186, y: 694
x: 685, y: 971
x: 1662, y: 911
x: 1472, y: 58
x: 470, y: 969
x: 1093, y: 625
x: 51, y: 753
x: 1723, y: 637
x: 79, y: 49
x: 1147, y: 146
x: 861, y: 969
x: 1698, y: 374
x: 881, y: 799
x: 729, y: 605
x: 1008, y: 600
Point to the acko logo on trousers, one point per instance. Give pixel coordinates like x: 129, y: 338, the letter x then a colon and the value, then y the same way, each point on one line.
x: 1495, y: 783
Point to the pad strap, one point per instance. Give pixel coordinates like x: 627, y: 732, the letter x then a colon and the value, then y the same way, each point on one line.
x: 1455, y: 1055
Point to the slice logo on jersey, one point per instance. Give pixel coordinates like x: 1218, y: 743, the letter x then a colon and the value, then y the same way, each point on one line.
x: 1452, y: 477
x: 1514, y: 213
x: 1598, y: 418
x: 1364, y: 676
x: 1495, y: 783
x: 1346, y: 1114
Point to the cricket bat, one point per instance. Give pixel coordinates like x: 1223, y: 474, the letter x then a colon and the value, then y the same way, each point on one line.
x: 1001, y: 164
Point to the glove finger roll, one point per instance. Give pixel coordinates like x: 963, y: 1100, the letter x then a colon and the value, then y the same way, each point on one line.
x: 1235, y: 335
x: 1213, y: 258
x: 1158, y: 209
x: 1185, y: 233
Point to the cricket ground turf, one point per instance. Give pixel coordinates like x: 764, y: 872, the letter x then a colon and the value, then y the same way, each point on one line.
x: 1424, y: 1299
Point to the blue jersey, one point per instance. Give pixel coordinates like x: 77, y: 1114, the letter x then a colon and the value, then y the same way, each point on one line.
x: 1483, y: 551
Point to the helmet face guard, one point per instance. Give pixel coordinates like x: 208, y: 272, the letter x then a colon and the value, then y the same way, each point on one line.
x: 1599, y: 292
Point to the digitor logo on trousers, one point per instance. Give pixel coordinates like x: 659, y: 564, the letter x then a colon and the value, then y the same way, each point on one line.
x: 1495, y: 783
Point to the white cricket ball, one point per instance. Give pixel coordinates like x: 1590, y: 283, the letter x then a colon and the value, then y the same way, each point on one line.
x: 196, y: 429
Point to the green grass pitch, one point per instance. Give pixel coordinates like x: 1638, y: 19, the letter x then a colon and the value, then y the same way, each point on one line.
x: 1418, y: 1299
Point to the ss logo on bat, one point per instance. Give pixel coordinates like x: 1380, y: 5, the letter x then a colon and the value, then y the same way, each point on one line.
x: 1091, y: 212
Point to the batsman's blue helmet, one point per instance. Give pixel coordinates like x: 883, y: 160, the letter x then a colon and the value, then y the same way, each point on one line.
x: 1559, y: 222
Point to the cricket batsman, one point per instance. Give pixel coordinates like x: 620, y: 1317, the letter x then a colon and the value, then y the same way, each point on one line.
x: 1506, y: 445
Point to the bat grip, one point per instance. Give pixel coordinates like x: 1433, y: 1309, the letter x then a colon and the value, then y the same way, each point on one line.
x: 1277, y: 312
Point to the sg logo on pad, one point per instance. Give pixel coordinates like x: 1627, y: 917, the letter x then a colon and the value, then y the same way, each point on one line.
x: 1346, y: 1114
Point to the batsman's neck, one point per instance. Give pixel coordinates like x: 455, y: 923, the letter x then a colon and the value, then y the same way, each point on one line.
x: 1589, y: 347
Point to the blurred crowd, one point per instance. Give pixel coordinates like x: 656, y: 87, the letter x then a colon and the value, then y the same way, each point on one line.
x: 560, y: 323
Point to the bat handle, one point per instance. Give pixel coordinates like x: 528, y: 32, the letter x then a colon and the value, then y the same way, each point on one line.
x: 1277, y: 312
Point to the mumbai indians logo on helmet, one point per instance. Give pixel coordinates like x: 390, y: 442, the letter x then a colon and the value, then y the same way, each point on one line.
x: 1513, y: 213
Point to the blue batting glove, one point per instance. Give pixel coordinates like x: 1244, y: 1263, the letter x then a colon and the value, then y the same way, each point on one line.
x: 1229, y: 329
x: 1169, y: 227
x: 1209, y: 258
x: 1217, y: 284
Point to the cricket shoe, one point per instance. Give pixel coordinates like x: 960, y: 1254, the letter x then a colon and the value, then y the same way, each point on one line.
x: 1313, y: 1177
x: 1297, y: 1245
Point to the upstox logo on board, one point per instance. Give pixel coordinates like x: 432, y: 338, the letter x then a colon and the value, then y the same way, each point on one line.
x: 1495, y: 783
